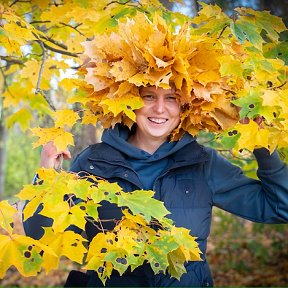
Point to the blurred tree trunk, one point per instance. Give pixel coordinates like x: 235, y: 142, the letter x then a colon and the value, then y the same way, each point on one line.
x: 167, y: 4
x: 3, y: 137
x: 84, y: 138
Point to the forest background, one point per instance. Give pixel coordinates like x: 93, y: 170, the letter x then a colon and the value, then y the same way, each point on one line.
x: 240, y: 253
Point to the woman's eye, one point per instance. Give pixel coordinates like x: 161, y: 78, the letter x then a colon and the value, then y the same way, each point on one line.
x: 171, y: 98
x: 148, y: 97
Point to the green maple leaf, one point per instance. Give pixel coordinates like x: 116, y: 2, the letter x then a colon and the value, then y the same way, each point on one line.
x: 251, y: 104
x: 247, y: 30
x: 176, y: 261
x: 23, y: 117
x: 119, y: 260
x: 266, y: 21
x: 158, y: 249
x: 141, y: 202
x: 277, y: 50
x: 229, y: 138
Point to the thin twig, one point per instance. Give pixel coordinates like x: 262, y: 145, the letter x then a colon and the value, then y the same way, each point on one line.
x: 38, y: 89
x: 222, y: 31
x: 280, y: 86
x: 39, y: 22
x: 61, y: 45
x: 73, y: 27
x: 116, y: 2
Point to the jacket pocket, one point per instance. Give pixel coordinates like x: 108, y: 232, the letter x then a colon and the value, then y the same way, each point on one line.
x: 187, y: 193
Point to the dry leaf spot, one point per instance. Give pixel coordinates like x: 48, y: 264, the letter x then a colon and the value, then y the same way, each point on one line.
x: 103, y: 250
x: 121, y: 261
x: 30, y: 247
x: 101, y: 269
x: 27, y: 254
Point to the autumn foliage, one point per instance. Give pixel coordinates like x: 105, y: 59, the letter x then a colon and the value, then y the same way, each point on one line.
x: 224, y: 69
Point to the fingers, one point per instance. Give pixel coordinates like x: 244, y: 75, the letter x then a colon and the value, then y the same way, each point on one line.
x: 51, y: 158
x: 258, y: 120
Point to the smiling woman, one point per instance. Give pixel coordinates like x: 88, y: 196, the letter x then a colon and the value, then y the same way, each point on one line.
x: 169, y: 87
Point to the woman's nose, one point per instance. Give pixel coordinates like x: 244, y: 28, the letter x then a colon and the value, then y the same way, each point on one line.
x: 159, y: 105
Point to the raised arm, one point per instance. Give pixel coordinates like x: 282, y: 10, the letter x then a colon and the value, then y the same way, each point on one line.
x: 50, y: 158
x: 264, y: 200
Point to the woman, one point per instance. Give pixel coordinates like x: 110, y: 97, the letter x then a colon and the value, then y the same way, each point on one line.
x: 187, y: 177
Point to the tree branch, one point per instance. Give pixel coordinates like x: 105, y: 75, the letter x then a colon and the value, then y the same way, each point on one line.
x: 19, y: 1
x: 60, y: 51
x: 12, y: 60
x: 38, y: 89
x: 61, y: 45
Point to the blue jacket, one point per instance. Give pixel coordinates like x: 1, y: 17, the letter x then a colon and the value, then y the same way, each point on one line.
x: 195, y: 179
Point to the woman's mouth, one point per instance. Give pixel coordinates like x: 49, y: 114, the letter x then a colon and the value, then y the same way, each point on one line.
x: 157, y: 120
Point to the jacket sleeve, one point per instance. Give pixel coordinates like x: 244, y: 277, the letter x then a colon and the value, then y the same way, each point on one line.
x: 264, y: 200
x: 33, y: 226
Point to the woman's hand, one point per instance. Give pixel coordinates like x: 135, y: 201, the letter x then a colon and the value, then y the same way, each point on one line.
x: 51, y: 158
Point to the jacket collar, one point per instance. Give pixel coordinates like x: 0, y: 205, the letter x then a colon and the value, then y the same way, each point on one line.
x: 190, y: 154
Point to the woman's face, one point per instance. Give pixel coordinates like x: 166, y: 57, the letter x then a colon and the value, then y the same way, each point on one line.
x: 160, y: 114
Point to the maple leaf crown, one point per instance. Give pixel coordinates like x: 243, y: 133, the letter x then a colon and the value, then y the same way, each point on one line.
x: 143, y: 52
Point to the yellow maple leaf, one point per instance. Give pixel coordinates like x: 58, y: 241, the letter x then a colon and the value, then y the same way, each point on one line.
x: 58, y: 135
x: 64, y: 216
x: 66, y: 243
x: 135, y: 218
x: 89, y: 117
x: 125, y: 104
x: 22, y: 252
x: 73, y: 43
x: 17, y: 92
x: 18, y: 33
x: 7, y: 213
x: 65, y: 117
x: 252, y: 136
x: 68, y: 83
x: 123, y: 70
x: 11, y: 46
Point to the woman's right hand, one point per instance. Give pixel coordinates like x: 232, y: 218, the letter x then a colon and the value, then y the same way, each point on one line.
x: 51, y: 158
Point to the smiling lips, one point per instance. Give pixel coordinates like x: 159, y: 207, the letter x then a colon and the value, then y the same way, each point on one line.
x: 157, y: 120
